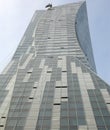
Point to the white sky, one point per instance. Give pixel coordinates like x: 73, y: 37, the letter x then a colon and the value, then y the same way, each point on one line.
x: 15, y: 16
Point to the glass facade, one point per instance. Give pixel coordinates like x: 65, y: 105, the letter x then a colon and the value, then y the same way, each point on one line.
x: 51, y: 81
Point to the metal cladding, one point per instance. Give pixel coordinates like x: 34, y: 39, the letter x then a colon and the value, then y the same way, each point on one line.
x: 51, y: 81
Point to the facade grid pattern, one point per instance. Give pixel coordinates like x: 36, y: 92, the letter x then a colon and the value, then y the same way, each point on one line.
x: 51, y: 82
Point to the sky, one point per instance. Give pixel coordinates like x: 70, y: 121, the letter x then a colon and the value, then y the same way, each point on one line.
x: 15, y: 16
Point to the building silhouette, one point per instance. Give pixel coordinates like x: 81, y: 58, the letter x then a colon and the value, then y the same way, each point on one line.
x: 51, y: 82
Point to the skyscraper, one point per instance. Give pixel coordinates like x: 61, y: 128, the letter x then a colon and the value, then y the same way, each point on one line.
x: 51, y: 82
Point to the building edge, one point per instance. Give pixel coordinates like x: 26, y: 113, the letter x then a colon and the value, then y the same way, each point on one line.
x: 83, y: 34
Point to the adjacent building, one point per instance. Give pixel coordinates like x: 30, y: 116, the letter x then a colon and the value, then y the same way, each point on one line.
x: 51, y: 82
